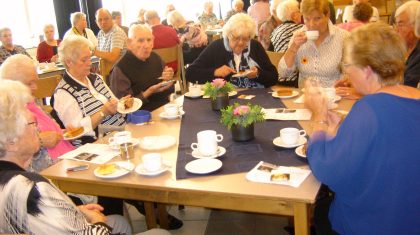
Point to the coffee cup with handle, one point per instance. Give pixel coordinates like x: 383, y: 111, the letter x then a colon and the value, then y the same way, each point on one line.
x: 291, y: 135
x: 312, y: 34
x: 120, y: 138
x: 171, y: 110
x: 207, y: 143
x: 330, y: 94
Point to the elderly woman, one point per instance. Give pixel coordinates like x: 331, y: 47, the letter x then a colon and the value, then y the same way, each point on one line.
x: 208, y: 18
x: 79, y: 27
x: 235, y: 52
x: 21, y: 68
x: 30, y: 203
x: 371, y: 163
x: 361, y: 15
x: 238, y: 7
x: 192, y: 36
x: 47, y: 50
x: 267, y: 27
x: 348, y: 12
x: 82, y: 99
x: 259, y: 10
x: 318, y: 57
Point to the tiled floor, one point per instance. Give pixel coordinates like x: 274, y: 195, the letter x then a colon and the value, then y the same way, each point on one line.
x: 200, y: 221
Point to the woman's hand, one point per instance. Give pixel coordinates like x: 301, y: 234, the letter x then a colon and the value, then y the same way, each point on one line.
x: 298, y: 39
x: 93, y: 213
x: 253, y: 72
x: 316, y: 101
x: 348, y: 93
x: 167, y: 74
x: 50, y: 138
x: 110, y: 107
x: 223, y: 71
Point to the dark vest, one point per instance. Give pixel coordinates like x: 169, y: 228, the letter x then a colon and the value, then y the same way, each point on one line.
x: 142, y: 75
x: 87, y: 102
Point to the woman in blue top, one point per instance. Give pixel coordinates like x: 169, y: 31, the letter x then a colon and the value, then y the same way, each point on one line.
x: 371, y: 161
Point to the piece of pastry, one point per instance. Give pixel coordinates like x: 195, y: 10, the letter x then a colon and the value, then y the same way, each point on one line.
x: 107, y: 169
x: 128, y: 103
x: 284, y: 92
x: 74, y: 132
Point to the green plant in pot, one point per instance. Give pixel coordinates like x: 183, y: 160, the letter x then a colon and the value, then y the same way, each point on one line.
x: 240, y: 120
x: 218, y: 91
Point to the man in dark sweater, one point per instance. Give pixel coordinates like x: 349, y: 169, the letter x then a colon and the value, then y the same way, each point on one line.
x: 141, y: 73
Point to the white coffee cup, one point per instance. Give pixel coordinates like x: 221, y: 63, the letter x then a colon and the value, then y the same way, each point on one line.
x: 152, y: 161
x: 291, y: 135
x: 171, y: 109
x: 120, y: 138
x: 312, y: 34
x: 207, y: 143
x: 195, y: 90
x: 330, y: 94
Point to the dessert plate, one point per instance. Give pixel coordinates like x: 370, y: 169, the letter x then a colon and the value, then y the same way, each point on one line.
x: 136, y: 105
x: 166, y: 116
x: 142, y: 171
x: 294, y: 94
x: 121, y: 168
x: 203, y: 166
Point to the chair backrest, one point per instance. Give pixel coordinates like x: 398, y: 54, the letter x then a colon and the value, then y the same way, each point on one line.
x: 104, y: 69
x: 275, y: 57
x: 46, y: 86
x: 172, y: 54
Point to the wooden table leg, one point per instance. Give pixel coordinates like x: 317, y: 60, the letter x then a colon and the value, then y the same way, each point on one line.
x: 301, y: 218
x: 150, y: 215
x: 163, y: 216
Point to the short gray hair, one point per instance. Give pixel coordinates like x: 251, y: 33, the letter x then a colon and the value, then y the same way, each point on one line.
x: 48, y: 26
x: 137, y: 27
x: 241, y: 24
x: 285, y: 9
x: 151, y: 14
x: 175, y: 18
x: 15, y: 67
x: 410, y: 7
x: 237, y: 1
x: 75, y: 17
x: 13, y: 100
x: 114, y: 14
x: 4, y: 29
x: 71, y: 47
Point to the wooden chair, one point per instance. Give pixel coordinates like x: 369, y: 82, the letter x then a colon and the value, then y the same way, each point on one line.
x: 275, y: 57
x: 46, y: 87
x: 104, y: 69
x: 171, y: 54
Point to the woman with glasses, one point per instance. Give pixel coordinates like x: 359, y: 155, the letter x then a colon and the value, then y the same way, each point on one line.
x: 21, y: 68
x: 318, y: 55
x: 236, y: 57
x: 371, y: 162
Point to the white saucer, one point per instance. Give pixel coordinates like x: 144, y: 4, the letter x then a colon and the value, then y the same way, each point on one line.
x: 203, y: 166
x: 220, y: 152
x: 278, y: 142
x: 299, y: 151
x: 141, y: 171
x: 125, y: 168
x: 294, y: 94
x: 133, y: 141
x: 194, y: 96
x: 157, y: 142
x: 136, y: 105
x: 165, y: 116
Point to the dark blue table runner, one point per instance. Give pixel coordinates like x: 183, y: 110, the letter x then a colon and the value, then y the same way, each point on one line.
x: 240, y: 156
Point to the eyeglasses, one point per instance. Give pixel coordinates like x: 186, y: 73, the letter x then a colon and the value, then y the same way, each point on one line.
x: 237, y: 39
x: 34, y: 123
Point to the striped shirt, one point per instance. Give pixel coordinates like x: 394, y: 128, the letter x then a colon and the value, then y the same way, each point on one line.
x: 280, y: 37
x: 320, y: 62
x: 4, y: 53
x: 115, y: 38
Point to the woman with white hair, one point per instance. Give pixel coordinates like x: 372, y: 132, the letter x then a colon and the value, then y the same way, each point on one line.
x: 208, y: 18
x: 79, y: 27
x: 236, y: 52
x: 82, y: 99
x: 267, y: 27
x: 238, y: 7
x: 21, y: 68
x: 191, y: 35
x: 47, y: 50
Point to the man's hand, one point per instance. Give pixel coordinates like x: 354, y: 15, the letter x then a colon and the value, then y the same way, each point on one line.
x: 167, y: 74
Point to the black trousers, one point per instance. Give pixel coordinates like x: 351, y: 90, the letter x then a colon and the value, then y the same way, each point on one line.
x: 322, y: 207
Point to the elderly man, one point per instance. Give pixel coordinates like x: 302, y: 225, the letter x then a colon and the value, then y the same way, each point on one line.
x: 116, y: 18
x: 79, y: 27
x: 8, y: 48
x: 405, y: 18
x: 208, y: 18
x: 112, y: 41
x: 165, y: 36
x: 140, y: 71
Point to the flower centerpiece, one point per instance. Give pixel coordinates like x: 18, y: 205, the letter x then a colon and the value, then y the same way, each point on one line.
x: 218, y: 91
x: 240, y: 120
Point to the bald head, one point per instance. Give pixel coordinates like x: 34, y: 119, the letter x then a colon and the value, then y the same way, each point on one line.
x: 104, y: 19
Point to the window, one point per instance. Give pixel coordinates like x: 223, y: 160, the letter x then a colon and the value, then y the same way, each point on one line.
x: 26, y: 19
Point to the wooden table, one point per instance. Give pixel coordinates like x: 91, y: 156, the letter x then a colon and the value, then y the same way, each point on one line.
x: 230, y: 192
x: 59, y: 70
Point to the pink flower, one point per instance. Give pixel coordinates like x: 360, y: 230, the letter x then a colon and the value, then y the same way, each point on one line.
x: 218, y: 82
x: 241, y: 110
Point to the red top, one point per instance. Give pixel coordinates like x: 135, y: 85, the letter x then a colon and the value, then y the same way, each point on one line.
x: 165, y: 37
x: 45, y: 51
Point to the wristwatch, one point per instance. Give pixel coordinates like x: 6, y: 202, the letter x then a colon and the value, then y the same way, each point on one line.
x: 102, y: 114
